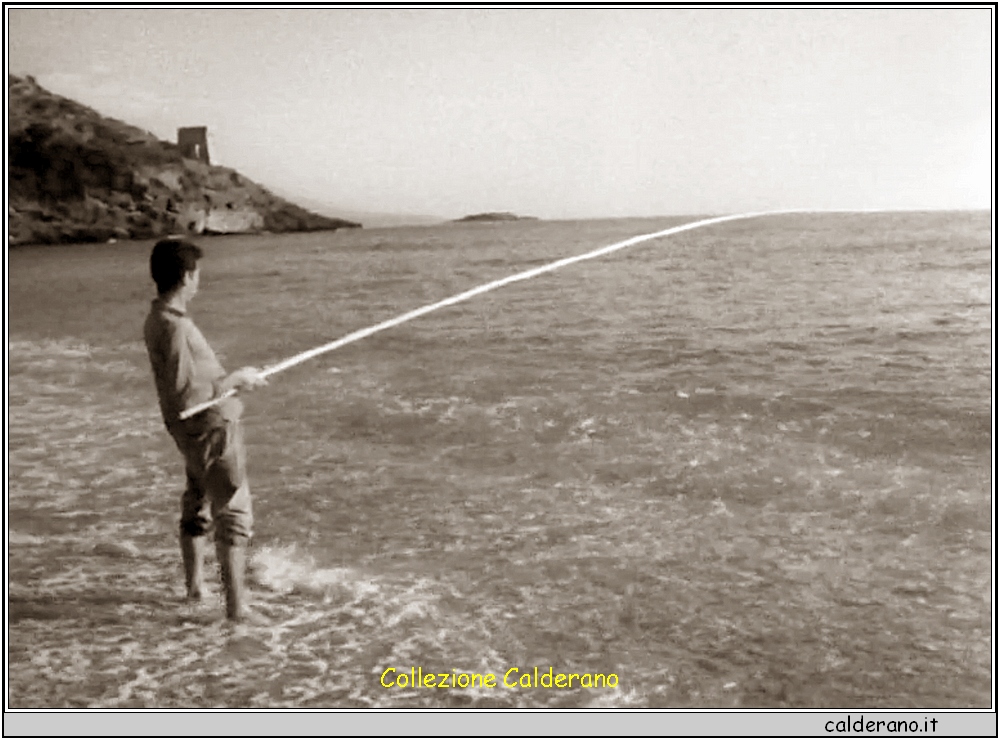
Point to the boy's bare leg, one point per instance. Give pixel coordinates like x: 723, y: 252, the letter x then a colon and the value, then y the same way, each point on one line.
x: 233, y: 565
x: 193, y: 554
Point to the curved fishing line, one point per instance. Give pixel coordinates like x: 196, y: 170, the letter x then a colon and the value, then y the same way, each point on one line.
x: 485, y: 288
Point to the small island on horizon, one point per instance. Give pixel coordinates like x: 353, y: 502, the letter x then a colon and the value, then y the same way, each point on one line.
x: 494, y: 216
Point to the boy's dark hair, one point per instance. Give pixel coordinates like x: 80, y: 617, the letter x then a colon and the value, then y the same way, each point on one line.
x: 170, y: 261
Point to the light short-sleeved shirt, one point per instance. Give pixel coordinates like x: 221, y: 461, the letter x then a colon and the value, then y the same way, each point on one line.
x: 185, y: 368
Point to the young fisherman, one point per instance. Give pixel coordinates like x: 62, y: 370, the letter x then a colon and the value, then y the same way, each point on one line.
x: 187, y: 372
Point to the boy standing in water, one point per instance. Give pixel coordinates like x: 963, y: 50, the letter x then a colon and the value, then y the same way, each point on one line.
x: 187, y: 372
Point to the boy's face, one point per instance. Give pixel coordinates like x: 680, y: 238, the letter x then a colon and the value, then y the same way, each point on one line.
x: 191, y: 281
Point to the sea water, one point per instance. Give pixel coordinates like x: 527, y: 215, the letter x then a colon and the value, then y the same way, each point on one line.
x: 761, y: 423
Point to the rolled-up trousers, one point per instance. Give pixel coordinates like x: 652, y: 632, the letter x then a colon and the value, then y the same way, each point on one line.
x: 217, y: 490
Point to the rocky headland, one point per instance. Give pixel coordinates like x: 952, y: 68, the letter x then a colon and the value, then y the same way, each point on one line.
x: 77, y: 176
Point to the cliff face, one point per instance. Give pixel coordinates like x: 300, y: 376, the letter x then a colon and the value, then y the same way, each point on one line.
x: 76, y: 176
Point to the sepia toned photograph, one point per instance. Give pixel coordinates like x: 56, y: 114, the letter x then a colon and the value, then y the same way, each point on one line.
x: 485, y: 358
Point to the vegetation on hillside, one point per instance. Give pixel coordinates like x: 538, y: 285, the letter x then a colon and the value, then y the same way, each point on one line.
x: 77, y: 176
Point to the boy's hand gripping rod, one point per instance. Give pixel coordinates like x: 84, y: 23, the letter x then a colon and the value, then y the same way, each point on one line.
x: 526, y: 275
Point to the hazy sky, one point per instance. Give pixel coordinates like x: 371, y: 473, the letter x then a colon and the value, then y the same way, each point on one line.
x: 553, y: 113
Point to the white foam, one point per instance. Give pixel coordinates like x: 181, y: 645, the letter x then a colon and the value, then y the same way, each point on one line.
x: 286, y: 570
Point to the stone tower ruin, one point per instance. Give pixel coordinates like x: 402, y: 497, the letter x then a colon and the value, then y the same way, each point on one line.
x: 193, y: 142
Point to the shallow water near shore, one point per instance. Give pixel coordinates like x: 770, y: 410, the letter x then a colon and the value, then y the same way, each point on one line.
x: 748, y: 465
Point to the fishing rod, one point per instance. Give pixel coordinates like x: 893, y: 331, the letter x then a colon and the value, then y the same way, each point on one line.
x: 466, y: 295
